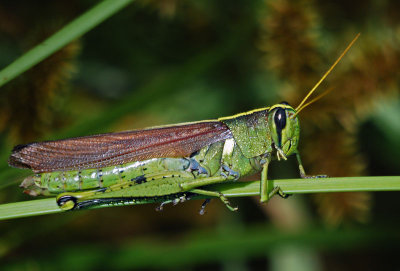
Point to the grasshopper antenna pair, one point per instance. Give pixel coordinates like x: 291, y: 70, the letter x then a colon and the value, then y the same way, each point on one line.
x: 303, y: 105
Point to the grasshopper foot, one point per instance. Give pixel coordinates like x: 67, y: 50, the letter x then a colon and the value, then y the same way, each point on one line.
x: 227, y: 171
x: 227, y: 203
x: 314, y: 176
x: 283, y: 195
x: 196, y: 167
x: 203, y: 206
x: 161, y: 206
x: 174, y: 202
x: 181, y: 199
x: 278, y: 191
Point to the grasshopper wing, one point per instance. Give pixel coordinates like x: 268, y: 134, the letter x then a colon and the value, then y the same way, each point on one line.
x: 118, y: 148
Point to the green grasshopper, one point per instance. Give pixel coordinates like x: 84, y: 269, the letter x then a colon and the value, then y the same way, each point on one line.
x: 164, y: 163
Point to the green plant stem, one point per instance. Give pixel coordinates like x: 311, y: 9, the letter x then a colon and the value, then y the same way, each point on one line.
x: 236, y: 189
x: 29, y: 208
x: 318, y: 185
x: 68, y: 33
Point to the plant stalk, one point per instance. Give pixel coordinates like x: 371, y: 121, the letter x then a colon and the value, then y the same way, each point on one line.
x: 233, y: 189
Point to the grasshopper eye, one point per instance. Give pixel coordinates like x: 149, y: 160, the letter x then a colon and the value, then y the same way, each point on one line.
x: 280, y: 119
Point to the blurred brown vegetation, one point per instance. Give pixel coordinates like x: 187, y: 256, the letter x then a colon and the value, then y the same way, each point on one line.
x: 168, y: 61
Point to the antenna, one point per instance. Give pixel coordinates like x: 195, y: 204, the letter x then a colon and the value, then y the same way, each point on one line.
x: 300, y: 106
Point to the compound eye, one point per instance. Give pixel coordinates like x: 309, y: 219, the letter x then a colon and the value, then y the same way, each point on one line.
x: 280, y: 118
x: 285, y: 103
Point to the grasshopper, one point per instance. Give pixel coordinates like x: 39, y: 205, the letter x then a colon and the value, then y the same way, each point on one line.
x: 165, y: 163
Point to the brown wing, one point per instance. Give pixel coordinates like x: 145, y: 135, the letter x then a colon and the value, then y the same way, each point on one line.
x: 118, y: 148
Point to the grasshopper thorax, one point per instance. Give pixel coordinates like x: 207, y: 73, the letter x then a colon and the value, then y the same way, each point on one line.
x: 285, y: 129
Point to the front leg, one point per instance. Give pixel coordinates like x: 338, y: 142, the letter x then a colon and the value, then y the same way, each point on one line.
x: 267, y: 189
x: 303, y: 173
x: 265, y: 186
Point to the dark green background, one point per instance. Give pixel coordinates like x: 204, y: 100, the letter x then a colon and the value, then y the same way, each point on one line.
x: 161, y: 62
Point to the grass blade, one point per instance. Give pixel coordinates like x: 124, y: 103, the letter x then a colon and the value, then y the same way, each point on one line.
x: 235, y: 189
x: 68, y: 33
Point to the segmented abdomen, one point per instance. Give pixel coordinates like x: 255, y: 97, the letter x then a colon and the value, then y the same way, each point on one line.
x: 76, y: 180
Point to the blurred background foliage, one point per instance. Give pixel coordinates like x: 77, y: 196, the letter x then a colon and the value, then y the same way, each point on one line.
x: 167, y: 61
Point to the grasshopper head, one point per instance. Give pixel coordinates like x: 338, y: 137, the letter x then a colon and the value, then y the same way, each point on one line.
x: 285, y: 129
x: 283, y: 121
